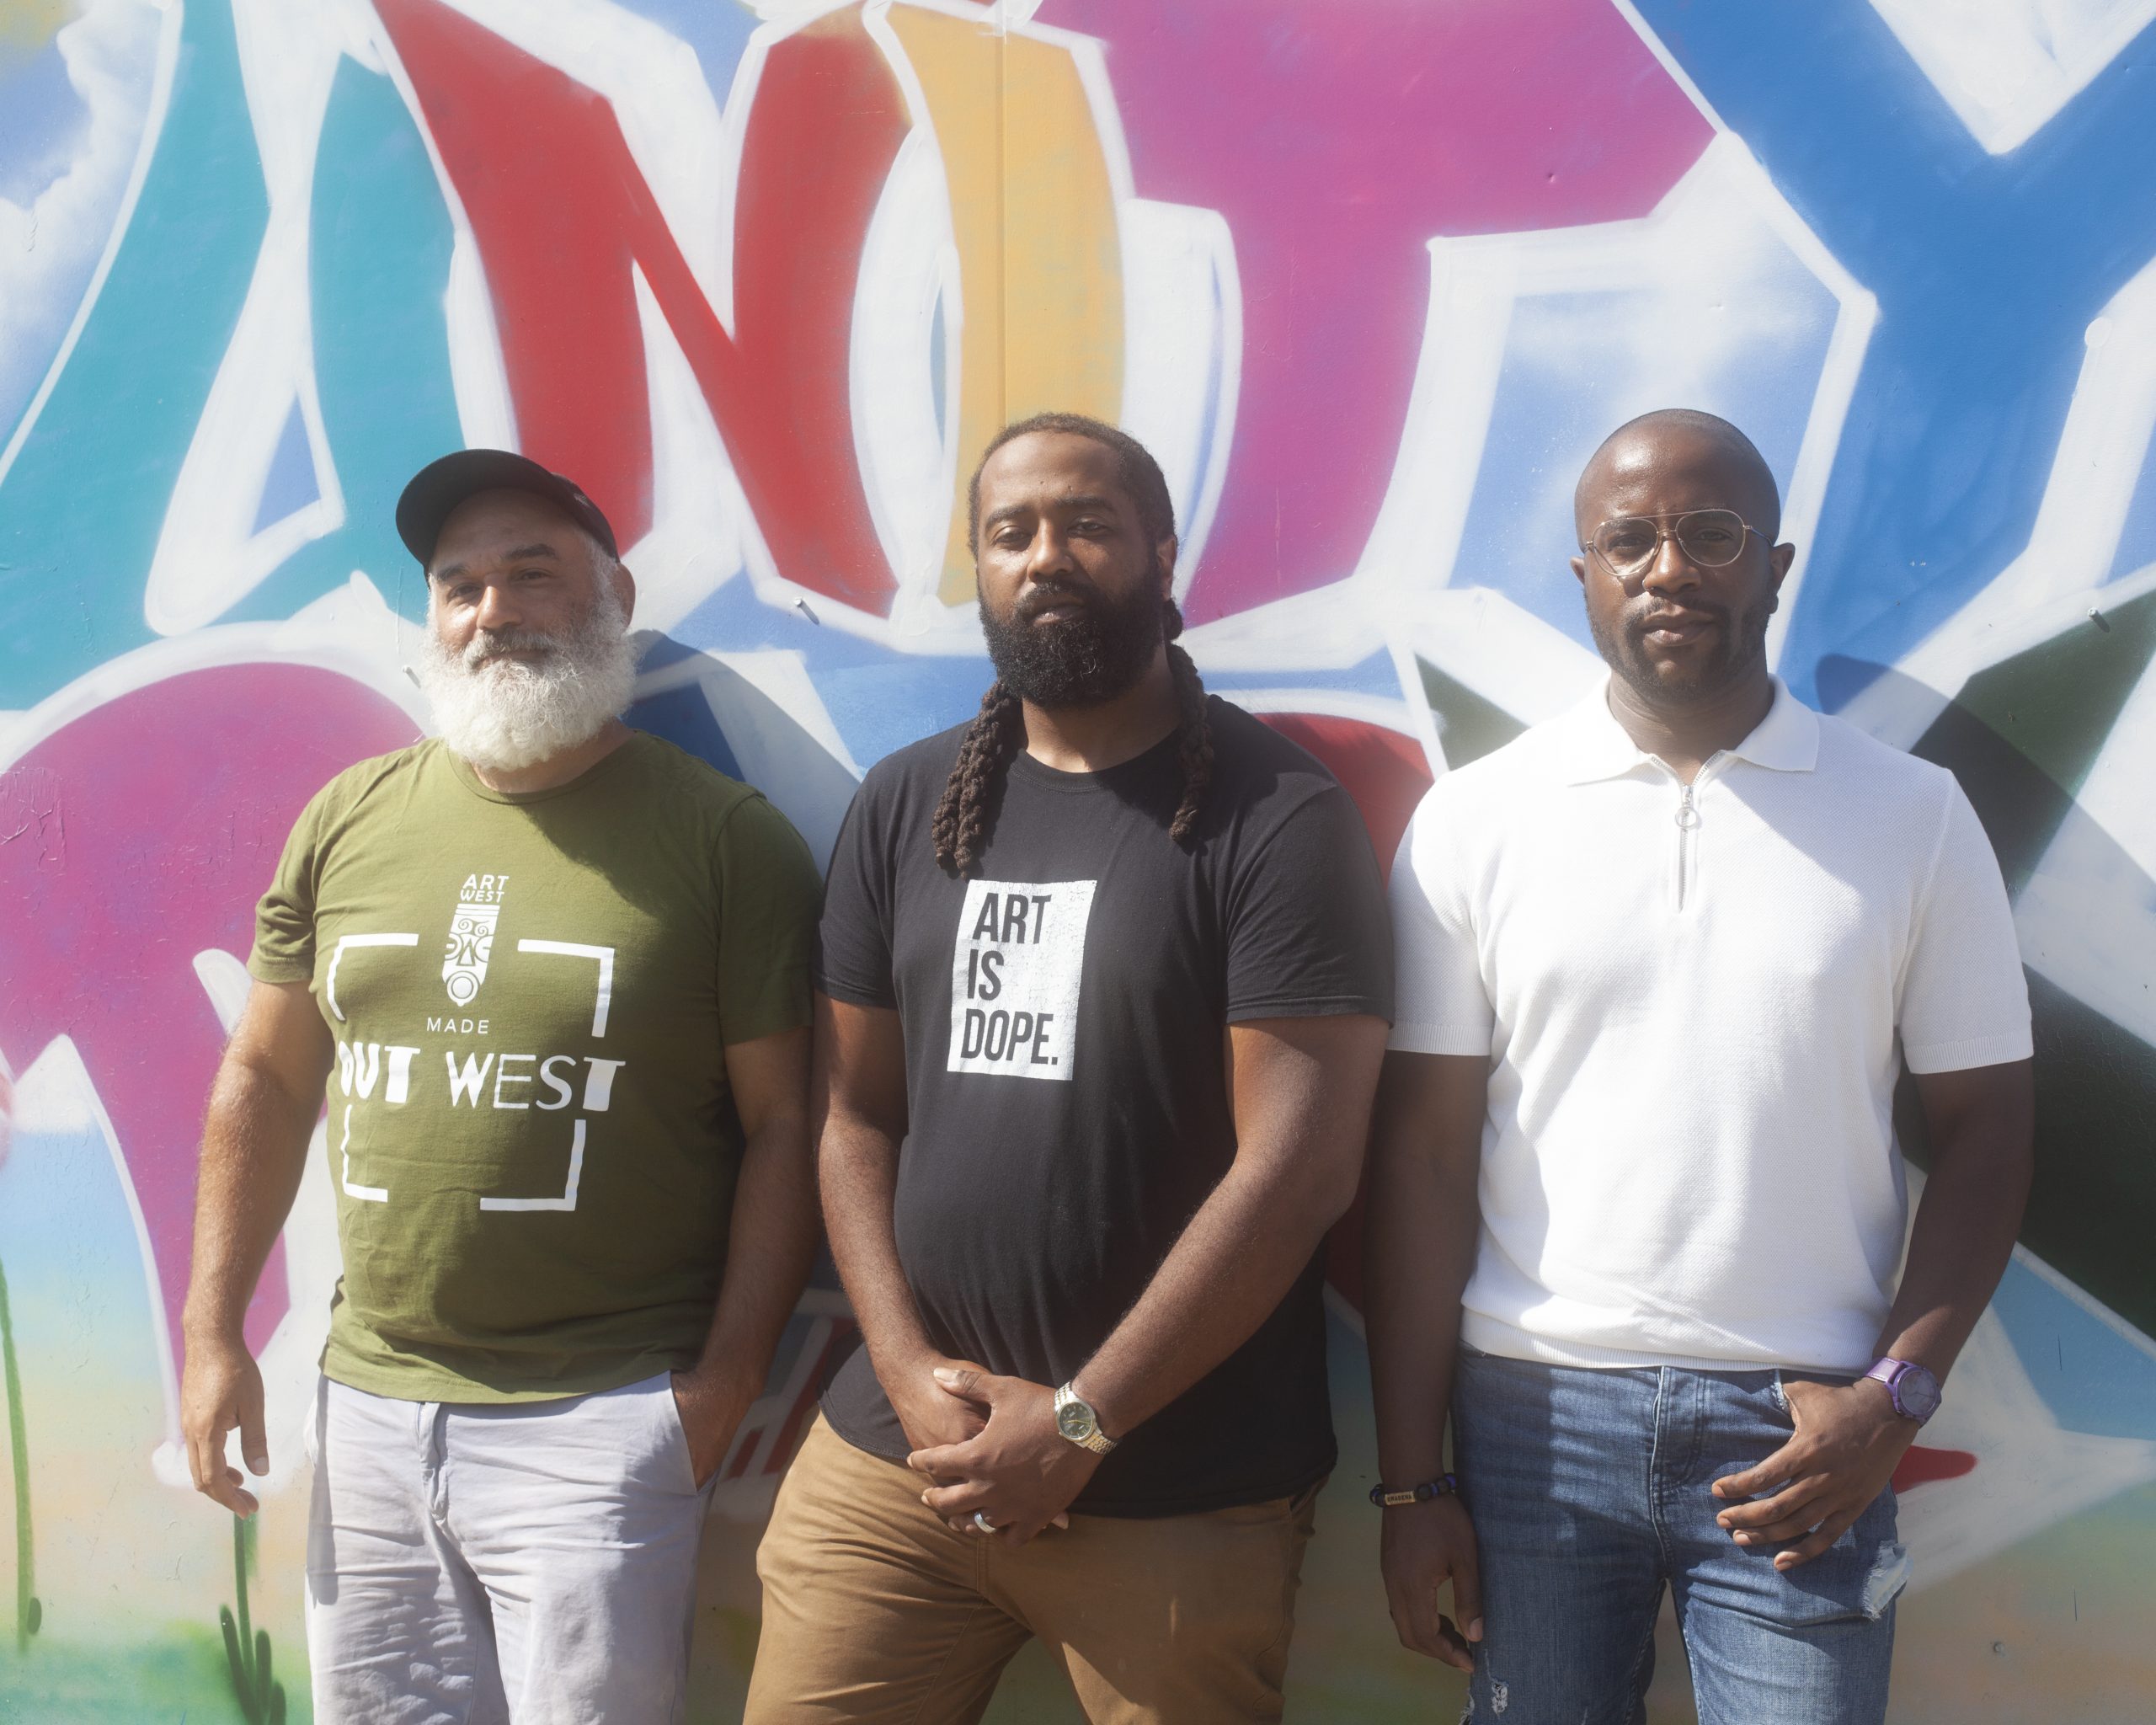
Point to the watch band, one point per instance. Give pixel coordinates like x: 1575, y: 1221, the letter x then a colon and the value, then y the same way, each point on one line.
x: 1923, y: 1401
x: 1399, y: 1496
x: 1084, y: 1431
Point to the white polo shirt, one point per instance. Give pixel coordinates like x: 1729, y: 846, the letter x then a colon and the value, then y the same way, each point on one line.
x: 1695, y: 1006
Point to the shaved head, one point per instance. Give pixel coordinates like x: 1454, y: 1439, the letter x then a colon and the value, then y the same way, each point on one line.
x: 1680, y: 436
x: 1683, y: 635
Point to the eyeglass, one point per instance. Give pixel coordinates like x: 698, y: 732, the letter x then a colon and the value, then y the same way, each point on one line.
x: 1712, y: 538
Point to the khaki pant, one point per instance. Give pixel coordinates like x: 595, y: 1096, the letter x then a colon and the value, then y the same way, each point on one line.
x: 875, y: 1613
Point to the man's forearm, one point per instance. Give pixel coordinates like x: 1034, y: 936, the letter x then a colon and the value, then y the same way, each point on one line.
x: 1233, y: 1265
x: 254, y: 1145
x: 1421, y: 1228
x: 1301, y: 1092
x: 770, y: 1243
x: 1966, y: 1225
x: 1419, y: 1231
x: 858, y: 1171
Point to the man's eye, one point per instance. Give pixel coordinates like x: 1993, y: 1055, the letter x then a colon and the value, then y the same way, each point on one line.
x: 1626, y: 545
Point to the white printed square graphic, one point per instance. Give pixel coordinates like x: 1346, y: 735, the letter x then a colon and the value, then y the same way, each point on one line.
x: 1015, y: 974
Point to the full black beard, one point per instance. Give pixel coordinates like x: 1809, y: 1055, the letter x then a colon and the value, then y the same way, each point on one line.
x: 1083, y: 661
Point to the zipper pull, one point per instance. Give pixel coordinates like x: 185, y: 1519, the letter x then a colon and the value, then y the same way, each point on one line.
x: 1688, y: 817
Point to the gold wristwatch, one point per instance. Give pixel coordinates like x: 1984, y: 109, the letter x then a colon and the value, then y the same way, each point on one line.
x: 1076, y: 1420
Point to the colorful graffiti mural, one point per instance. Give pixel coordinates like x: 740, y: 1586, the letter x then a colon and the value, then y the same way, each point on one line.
x: 1371, y: 276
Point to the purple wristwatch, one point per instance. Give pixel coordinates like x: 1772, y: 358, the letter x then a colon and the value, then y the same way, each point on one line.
x: 1914, y: 1389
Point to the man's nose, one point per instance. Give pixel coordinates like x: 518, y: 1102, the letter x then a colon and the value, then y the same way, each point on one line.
x: 1670, y: 568
x: 1049, y: 554
x: 494, y: 610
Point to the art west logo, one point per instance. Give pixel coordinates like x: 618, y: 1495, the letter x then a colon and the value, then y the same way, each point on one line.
x: 398, y: 1074
x: 472, y: 935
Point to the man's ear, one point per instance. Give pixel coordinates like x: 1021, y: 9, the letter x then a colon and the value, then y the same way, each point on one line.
x: 1164, y: 558
x: 625, y: 589
x: 1579, y: 571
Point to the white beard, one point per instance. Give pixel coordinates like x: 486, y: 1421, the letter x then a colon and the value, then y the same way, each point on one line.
x: 504, y: 714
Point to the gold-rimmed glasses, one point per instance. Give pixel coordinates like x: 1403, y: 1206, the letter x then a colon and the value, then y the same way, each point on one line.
x: 1712, y: 538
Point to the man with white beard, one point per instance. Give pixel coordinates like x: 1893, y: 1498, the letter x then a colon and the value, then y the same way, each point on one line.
x: 574, y: 1190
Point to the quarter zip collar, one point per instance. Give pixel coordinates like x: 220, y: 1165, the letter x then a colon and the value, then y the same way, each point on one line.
x: 1594, y: 746
x: 1786, y: 740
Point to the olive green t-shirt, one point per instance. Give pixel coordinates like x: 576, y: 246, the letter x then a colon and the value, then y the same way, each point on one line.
x: 531, y: 1132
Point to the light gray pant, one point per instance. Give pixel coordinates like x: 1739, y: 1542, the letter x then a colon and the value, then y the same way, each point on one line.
x: 473, y: 1564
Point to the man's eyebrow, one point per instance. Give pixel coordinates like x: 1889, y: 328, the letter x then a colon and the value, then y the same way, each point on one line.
x: 516, y: 553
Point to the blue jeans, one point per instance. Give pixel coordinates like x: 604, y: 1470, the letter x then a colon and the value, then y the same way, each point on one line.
x: 1589, y: 1493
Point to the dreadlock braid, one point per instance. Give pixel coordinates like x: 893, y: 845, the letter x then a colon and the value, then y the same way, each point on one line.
x: 1194, y: 739
x: 966, y: 811
x: 967, y: 808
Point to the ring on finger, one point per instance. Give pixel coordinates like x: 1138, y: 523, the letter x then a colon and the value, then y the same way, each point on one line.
x: 982, y: 1522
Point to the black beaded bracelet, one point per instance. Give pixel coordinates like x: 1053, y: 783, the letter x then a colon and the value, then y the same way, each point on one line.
x: 1388, y: 1498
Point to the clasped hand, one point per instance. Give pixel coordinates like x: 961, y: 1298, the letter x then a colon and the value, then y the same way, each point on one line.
x: 1848, y: 1441
x: 1017, y: 1469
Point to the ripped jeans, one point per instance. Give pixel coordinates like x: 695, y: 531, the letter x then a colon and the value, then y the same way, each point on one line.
x: 1589, y: 1493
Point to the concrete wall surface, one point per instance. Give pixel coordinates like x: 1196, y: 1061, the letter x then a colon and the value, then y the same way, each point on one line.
x: 1371, y: 276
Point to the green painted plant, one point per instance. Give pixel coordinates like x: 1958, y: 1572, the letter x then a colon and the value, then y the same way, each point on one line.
x: 246, y: 1649
x: 29, y: 1612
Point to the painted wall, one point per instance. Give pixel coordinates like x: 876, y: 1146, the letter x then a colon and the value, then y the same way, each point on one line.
x: 1371, y: 276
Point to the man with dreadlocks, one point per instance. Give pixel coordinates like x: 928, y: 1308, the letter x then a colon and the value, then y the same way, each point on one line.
x: 1102, y: 995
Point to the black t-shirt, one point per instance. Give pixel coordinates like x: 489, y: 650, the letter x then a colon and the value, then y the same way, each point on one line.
x: 1068, y: 1109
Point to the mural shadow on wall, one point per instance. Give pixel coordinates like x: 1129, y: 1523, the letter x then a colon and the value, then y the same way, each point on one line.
x: 743, y: 715
x: 2095, y: 1183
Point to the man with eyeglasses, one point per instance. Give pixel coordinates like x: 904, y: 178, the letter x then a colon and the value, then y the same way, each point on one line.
x: 1637, y: 1209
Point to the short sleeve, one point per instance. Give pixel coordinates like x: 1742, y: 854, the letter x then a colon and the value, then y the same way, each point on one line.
x: 1965, y: 1000
x: 1306, y: 934
x: 767, y: 923
x: 853, y: 938
x: 1444, y: 1007
x: 284, y: 917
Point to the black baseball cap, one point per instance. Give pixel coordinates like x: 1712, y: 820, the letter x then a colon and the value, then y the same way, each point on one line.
x: 438, y: 487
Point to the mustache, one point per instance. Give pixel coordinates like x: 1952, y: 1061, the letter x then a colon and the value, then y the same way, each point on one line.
x: 487, y: 645
x: 1043, y: 599
x: 1653, y: 613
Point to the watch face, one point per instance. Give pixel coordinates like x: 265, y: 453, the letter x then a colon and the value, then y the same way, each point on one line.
x: 1076, y: 1421
x: 1916, y: 1392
